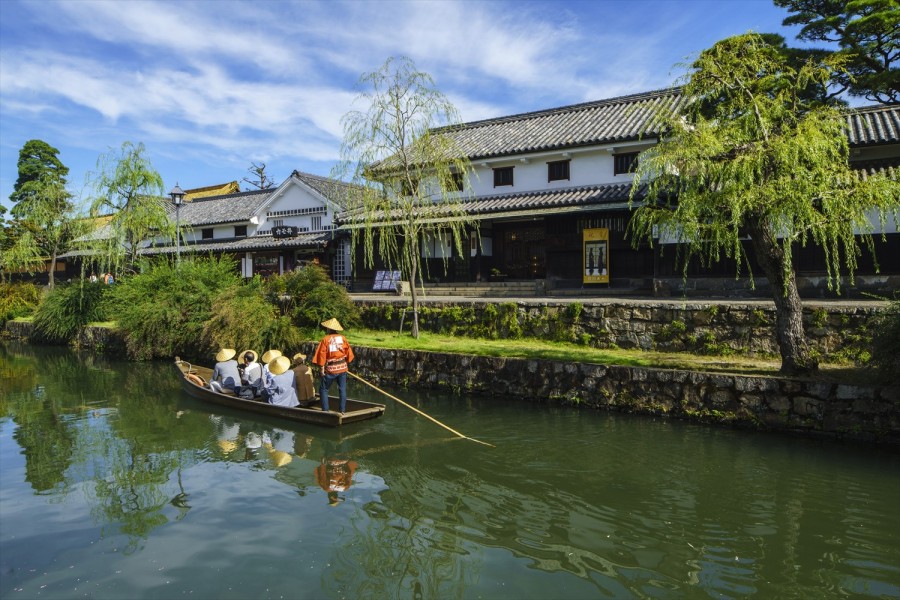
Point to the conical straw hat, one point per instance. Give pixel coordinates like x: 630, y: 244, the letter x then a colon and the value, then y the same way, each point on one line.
x: 253, y: 352
x: 332, y: 324
x: 298, y: 358
x: 279, y: 365
x: 270, y: 355
x: 225, y: 354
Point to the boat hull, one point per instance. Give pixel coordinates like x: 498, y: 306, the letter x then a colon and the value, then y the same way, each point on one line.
x: 357, y: 410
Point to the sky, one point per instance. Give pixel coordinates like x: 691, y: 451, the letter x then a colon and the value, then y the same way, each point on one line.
x: 210, y: 87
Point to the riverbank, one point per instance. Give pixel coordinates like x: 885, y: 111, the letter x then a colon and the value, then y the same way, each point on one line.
x: 811, y: 407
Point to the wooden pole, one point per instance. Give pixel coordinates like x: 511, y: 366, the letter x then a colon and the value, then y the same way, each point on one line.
x: 413, y: 408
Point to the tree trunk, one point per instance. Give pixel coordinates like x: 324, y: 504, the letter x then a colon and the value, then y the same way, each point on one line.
x: 795, y: 356
x: 412, y: 265
x: 50, y: 278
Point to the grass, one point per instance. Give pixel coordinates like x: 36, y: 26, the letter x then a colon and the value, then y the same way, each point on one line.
x: 567, y: 352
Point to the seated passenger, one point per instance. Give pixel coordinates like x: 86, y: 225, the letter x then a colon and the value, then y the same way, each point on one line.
x: 282, y: 390
x: 267, y: 357
x: 226, y: 372
x: 304, y: 376
x: 251, y: 374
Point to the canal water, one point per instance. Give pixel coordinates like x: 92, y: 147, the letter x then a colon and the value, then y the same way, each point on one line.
x: 114, y: 484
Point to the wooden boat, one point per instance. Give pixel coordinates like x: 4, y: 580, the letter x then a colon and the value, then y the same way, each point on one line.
x: 194, y: 381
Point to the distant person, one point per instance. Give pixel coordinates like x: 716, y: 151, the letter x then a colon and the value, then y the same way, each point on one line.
x: 332, y: 356
x: 305, y: 390
x: 225, y: 374
x: 334, y: 475
x: 93, y: 278
x: 282, y: 388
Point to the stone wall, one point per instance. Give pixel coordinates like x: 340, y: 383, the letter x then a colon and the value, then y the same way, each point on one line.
x: 863, y: 413
x: 833, y: 329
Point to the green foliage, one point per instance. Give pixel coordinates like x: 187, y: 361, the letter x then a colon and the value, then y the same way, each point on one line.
x: 282, y: 333
x: 671, y: 331
x: 18, y: 300
x: 67, y: 309
x: 38, y: 162
x: 819, y: 317
x: 886, y: 342
x: 866, y: 34
x: 239, y: 316
x: 130, y: 189
x: 748, y: 153
x: 407, y: 169
x: 163, y: 309
x: 309, y: 296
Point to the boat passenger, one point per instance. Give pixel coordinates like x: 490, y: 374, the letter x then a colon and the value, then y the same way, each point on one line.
x: 282, y: 390
x: 305, y: 390
x: 225, y: 373
x: 251, y: 374
x: 267, y: 357
x: 332, y: 355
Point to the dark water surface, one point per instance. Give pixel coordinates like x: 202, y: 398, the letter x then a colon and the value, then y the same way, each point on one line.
x: 114, y: 484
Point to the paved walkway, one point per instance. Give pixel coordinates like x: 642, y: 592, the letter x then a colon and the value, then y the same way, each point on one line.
x: 610, y: 300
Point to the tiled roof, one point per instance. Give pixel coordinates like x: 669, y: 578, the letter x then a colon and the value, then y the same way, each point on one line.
x: 874, y: 125
x: 888, y: 166
x: 232, y: 208
x: 335, y: 190
x: 604, y: 121
x: 254, y: 242
x: 192, y: 194
x: 612, y: 196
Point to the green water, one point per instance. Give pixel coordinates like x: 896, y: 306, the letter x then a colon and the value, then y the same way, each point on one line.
x: 114, y: 484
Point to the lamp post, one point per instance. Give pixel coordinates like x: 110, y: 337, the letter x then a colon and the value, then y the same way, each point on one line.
x: 177, y: 195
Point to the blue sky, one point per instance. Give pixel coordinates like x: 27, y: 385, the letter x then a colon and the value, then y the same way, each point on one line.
x: 210, y: 87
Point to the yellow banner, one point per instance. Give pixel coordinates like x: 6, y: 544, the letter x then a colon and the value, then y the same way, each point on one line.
x: 595, y: 259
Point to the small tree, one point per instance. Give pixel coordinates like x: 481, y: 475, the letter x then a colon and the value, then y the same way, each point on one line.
x: 866, y: 33
x: 408, y: 168
x: 261, y: 179
x: 45, y: 215
x: 747, y: 155
x: 130, y: 190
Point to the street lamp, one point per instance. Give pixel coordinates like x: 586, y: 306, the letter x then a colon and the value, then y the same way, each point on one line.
x: 177, y: 195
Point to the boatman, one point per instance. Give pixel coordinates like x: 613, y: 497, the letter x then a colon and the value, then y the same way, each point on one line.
x: 332, y: 356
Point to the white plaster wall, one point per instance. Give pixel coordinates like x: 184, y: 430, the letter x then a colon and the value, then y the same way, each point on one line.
x: 294, y: 197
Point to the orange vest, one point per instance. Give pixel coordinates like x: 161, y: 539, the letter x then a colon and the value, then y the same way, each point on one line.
x: 333, y: 353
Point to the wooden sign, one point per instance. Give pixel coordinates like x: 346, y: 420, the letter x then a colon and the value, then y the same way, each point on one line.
x: 285, y: 231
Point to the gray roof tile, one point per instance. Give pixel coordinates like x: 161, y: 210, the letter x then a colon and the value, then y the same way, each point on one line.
x: 874, y: 125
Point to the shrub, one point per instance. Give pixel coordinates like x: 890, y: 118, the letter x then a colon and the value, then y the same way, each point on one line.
x: 163, y: 309
x: 67, y: 309
x: 309, y: 297
x: 238, y: 318
x: 18, y: 300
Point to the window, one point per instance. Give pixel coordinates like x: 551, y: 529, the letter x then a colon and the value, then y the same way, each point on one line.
x: 316, y: 223
x: 207, y: 233
x: 240, y: 231
x: 558, y: 170
x: 503, y: 176
x: 624, y: 163
x: 277, y: 222
x: 455, y: 184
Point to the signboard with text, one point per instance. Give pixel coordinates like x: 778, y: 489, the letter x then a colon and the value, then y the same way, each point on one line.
x: 595, y: 259
x: 285, y: 231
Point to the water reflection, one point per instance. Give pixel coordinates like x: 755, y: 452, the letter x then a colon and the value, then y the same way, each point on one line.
x: 109, y: 469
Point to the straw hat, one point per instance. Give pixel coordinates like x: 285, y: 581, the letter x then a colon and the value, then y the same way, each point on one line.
x: 270, y: 355
x: 253, y: 441
x: 227, y: 446
x: 253, y: 352
x: 298, y: 358
x: 280, y: 457
x: 279, y: 365
x: 225, y: 354
x: 332, y: 324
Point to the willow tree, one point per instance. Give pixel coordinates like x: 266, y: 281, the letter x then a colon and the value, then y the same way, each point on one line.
x: 130, y: 191
x: 748, y: 155
x: 409, y: 172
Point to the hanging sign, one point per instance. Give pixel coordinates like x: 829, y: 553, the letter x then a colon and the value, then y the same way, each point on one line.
x: 596, y: 256
x: 285, y: 231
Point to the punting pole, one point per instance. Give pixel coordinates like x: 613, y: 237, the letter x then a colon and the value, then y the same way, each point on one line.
x: 413, y: 408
